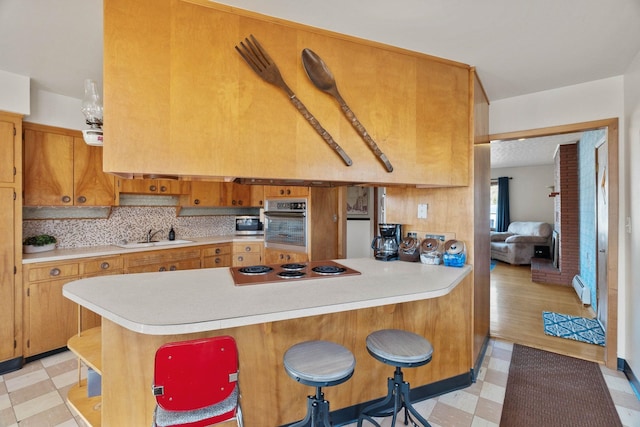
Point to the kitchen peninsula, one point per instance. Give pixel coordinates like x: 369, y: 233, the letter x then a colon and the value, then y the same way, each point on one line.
x: 140, y: 312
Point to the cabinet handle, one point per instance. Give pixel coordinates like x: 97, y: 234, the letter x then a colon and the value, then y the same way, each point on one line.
x: 217, y: 251
x: 247, y: 249
x: 163, y: 189
x: 288, y: 191
x: 105, y: 265
x: 233, y: 202
x: 217, y: 261
x: 196, y: 202
x: 239, y: 202
x: 281, y: 192
x: 163, y: 268
x: 172, y: 268
x: 82, y: 199
x: 66, y: 199
x: 153, y: 188
x: 54, y: 272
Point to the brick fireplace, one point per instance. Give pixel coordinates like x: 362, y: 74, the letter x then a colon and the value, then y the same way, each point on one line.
x: 566, y: 226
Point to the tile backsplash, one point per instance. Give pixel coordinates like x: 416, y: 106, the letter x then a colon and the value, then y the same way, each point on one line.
x: 128, y: 223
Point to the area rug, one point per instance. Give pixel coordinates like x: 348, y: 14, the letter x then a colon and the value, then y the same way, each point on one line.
x: 493, y: 264
x: 548, y: 389
x: 573, y: 328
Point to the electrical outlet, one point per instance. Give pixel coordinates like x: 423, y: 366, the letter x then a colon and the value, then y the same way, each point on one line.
x: 440, y: 237
x: 422, y: 211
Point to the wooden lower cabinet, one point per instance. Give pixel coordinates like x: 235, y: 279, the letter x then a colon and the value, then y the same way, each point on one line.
x: 274, y: 256
x: 216, y: 256
x: 162, y: 260
x: 50, y: 318
x: 245, y: 254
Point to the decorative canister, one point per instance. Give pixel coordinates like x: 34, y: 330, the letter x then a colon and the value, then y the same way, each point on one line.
x: 455, y: 253
x: 409, y: 249
x: 430, y: 251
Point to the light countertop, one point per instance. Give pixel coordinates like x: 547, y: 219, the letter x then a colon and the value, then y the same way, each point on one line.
x: 109, y: 250
x: 191, y: 301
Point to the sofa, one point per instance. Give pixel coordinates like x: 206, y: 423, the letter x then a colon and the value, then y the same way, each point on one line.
x: 516, y: 245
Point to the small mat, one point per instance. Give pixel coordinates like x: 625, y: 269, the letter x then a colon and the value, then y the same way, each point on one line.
x: 549, y: 389
x: 493, y: 264
x: 573, y: 328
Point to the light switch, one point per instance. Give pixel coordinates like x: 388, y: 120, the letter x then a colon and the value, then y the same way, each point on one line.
x: 422, y: 211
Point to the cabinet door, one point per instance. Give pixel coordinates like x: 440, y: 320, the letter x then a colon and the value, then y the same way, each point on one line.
x: 205, y: 193
x: 257, y: 196
x: 48, y: 169
x: 272, y: 256
x: 236, y: 195
x: 153, y: 186
x: 7, y: 146
x: 189, y: 264
x: 92, y: 187
x: 7, y: 278
x: 291, y: 191
x: 52, y: 317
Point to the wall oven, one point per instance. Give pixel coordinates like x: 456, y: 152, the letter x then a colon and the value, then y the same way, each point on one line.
x: 285, y: 224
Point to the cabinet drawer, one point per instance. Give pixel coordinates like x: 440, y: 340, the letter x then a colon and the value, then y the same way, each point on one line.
x: 166, y: 266
x: 246, y: 259
x: 160, y: 257
x: 216, y: 250
x: 246, y: 248
x: 52, y: 271
x: 217, y: 261
x: 102, y: 265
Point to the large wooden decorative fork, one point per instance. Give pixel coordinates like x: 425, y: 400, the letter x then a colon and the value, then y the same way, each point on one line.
x: 263, y: 65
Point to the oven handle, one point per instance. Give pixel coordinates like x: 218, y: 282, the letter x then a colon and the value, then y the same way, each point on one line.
x: 286, y: 214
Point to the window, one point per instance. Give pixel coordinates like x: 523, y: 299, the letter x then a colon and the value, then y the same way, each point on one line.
x: 493, y: 203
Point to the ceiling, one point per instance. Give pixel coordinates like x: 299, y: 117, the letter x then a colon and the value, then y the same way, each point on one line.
x: 530, y: 151
x: 517, y: 47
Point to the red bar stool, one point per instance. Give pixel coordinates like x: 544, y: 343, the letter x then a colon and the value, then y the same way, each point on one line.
x: 401, y: 349
x: 195, y: 383
x: 318, y: 364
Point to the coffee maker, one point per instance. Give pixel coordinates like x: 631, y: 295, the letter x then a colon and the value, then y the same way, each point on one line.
x: 385, y: 246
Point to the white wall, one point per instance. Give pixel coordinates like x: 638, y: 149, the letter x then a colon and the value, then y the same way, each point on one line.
x: 528, y: 193
x: 601, y: 99
x: 14, y: 93
x: 41, y: 107
x: 632, y: 246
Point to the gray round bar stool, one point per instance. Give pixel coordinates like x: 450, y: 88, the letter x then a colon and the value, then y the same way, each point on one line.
x: 401, y: 349
x: 318, y: 364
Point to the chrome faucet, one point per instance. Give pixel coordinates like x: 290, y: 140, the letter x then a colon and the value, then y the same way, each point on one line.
x: 150, y: 235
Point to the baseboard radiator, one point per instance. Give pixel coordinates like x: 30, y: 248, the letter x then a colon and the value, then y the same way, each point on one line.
x: 583, y: 292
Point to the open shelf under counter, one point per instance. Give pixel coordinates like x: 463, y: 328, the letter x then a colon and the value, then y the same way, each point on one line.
x: 87, y: 345
x: 89, y: 408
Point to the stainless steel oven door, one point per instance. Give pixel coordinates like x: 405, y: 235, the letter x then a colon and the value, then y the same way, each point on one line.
x: 286, y: 232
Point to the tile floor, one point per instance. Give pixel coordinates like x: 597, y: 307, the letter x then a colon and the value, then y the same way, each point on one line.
x: 36, y: 395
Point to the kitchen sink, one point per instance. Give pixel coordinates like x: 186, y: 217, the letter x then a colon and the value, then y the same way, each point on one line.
x: 134, y: 245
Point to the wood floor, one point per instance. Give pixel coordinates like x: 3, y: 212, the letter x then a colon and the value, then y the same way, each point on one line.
x: 516, y: 312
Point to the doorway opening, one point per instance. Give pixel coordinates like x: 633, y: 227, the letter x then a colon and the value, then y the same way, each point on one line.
x: 608, y: 259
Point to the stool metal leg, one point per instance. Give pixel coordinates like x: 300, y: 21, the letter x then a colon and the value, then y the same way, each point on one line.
x: 398, y: 392
x: 317, y: 412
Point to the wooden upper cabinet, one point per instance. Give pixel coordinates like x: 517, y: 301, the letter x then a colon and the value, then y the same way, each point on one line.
x: 236, y: 195
x: 92, y: 187
x: 61, y: 170
x: 198, y: 112
x: 204, y: 194
x: 7, y: 160
x: 257, y: 196
x: 168, y: 187
x: 272, y: 191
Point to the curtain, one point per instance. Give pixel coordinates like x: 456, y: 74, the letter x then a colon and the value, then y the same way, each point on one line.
x: 502, y: 215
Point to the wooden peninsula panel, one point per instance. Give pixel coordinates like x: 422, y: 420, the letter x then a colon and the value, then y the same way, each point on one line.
x: 180, y: 100
x: 269, y: 395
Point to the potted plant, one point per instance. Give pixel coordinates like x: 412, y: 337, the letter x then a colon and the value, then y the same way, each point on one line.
x: 39, y: 243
